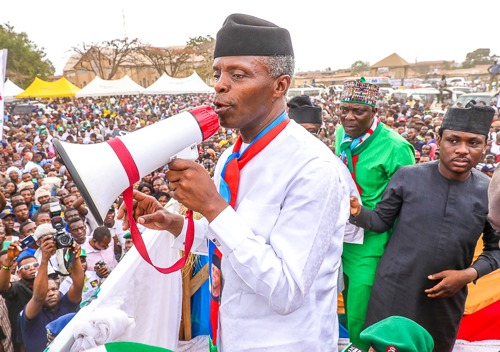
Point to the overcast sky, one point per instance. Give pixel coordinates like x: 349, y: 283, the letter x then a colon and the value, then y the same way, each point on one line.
x: 325, y: 33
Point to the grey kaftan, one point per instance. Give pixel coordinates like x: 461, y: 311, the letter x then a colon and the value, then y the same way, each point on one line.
x: 439, y: 222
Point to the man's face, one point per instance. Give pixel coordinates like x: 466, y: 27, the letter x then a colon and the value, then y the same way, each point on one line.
x: 216, y: 281
x: 27, y: 269
x: 156, y: 184
x: 490, y: 159
x: 43, y: 218
x: 74, y: 191
x: 47, y: 167
x: 78, y: 230
x: 63, y: 192
x: 68, y: 201
x: 356, y: 118
x: 28, y: 229
x: 412, y: 133
x: 14, y: 176
x: 52, y: 298
x: 424, y: 130
x: 21, y: 213
x: 312, y: 128
x: 128, y: 244
x: 17, y: 199
x: 103, y: 244
x: 44, y: 199
x: 83, y: 260
x: 460, y: 152
x: 8, y: 222
x: 70, y: 215
x: 27, y: 177
x: 109, y: 219
x: 244, y: 93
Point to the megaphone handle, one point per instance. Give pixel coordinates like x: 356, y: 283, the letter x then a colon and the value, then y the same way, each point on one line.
x: 139, y: 242
x: 132, y: 172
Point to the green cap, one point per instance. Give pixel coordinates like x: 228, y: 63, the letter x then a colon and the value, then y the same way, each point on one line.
x: 398, y: 334
x: 83, y: 253
x: 127, y: 235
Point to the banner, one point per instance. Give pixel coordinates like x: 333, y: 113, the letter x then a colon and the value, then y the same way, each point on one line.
x: 3, y: 68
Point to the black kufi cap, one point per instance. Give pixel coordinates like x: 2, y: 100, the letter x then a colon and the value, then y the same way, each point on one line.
x: 474, y: 119
x: 245, y: 35
x: 302, y: 110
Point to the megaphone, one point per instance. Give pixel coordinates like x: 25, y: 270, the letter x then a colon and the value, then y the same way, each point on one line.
x: 99, y: 170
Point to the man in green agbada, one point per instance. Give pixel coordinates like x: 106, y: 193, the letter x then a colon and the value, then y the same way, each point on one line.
x: 373, y: 153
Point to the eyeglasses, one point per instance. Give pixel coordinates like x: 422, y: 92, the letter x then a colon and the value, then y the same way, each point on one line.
x: 29, y: 266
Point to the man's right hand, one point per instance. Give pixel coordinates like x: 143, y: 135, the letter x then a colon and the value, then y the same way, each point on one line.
x: 355, y: 206
x: 147, y: 212
x: 48, y: 247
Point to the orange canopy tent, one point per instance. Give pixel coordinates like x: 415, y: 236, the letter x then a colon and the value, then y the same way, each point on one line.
x: 42, y: 89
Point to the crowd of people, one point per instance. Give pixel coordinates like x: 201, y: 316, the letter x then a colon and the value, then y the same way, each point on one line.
x: 290, y: 207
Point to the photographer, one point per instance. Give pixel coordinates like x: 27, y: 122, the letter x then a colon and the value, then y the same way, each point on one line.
x: 46, y: 304
x: 99, y: 251
x: 17, y: 293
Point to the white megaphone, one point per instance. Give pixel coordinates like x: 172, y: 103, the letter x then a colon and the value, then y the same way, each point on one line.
x: 99, y: 171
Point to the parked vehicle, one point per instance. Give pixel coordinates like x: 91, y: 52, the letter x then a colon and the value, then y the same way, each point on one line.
x: 312, y: 92
x: 485, y: 97
x: 23, y: 109
x: 336, y: 88
x: 456, y: 81
x: 462, y: 89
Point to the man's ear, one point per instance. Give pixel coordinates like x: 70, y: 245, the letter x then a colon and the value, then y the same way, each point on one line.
x: 281, y: 85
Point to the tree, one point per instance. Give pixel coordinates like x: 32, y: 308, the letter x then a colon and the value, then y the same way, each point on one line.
x: 359, y: 66
x: 106, y: 57
x: 171, y: 61
x: 25, y: 60
x: 477, y: 57
x: 203, y: 51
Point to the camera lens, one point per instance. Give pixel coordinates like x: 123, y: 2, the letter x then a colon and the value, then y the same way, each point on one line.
x: 64, y: 240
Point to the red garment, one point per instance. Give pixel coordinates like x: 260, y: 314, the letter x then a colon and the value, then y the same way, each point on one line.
x: 481, y: 325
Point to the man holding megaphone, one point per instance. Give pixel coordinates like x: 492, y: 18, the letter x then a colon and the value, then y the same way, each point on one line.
x: 275, y: 216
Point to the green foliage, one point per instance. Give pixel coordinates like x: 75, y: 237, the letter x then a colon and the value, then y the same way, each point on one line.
x: 25, y: 60
x: 477, y: 57
x: 359, y: 66
x: 203, y: 49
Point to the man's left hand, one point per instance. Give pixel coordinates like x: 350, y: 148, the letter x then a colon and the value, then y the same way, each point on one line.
x: 451, y: 282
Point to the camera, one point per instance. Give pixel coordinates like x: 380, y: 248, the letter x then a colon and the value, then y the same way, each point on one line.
x: 63, y: 239
x: 101, y: 264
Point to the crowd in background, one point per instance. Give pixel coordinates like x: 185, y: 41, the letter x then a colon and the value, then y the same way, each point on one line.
x: 32, y: 175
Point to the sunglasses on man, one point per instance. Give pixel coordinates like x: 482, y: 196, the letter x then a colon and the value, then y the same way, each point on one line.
x: 29, y: 266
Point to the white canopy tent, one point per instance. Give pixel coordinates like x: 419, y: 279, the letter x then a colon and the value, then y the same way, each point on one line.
x: 168, y: 85
x: 99, y: 87
x: 10, y: 90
